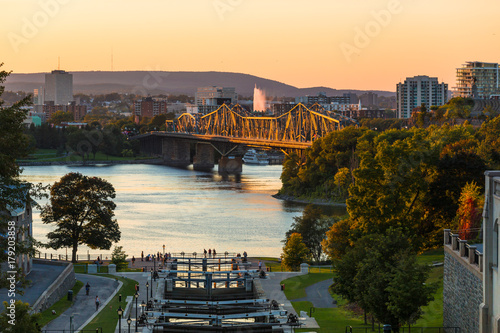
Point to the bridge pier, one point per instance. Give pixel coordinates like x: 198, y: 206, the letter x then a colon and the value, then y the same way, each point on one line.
x: 176, y: 152
x: 204, y: 158
x: 230, y: 165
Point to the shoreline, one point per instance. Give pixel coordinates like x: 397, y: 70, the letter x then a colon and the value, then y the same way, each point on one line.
x: 321, y: 202
x: 90, y: 163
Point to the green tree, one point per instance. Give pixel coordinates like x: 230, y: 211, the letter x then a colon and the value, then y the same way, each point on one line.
x: 295, y: 252
x: 59, y: 117
x: 337, y: 240
x: 16, y: 318
x: 83, y: 211
x: 312, y: 227
x: 119, y: 258
x: 381, y: 274
x: 13, y: 192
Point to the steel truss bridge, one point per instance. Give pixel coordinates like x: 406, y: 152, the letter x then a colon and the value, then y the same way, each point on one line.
x: 228, y: 128
x: 299, y: 125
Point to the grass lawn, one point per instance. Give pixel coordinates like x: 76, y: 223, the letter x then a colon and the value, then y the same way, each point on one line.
x: 107, y: 318
x: 60, y: 306
x: 336, y: 319
x: 273, y: 263
x: 295, y: 286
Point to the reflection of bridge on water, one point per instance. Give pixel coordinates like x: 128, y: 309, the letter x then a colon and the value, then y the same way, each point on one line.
x: 225, y: 129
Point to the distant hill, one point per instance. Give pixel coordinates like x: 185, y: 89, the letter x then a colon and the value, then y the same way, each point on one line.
x: 156, y: 82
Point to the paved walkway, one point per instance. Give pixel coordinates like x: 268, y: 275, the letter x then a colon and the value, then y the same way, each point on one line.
x: 83, y: 309
x: 319, y: 296
x: 41, y: 277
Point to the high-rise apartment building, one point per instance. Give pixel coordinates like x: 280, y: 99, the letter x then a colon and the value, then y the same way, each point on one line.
x: 417, y: 90
x: 209, y: 99
x: 477, y: 80
x: 59, y: 87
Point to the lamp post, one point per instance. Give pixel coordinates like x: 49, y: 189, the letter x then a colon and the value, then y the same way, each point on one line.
x: 129, y: 321
x: 120, y: 313
x: 143, y: 305
x: 163, y: 250
x: 147, y: 291
x: 136, y: 319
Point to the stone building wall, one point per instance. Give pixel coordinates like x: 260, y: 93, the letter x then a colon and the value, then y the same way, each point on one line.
x: 462, y: 293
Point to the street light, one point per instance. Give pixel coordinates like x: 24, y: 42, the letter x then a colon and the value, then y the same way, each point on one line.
x: 129, y: 321
x: 120, y: 313
x: 136, y: 319
x: 147, y: 291
x: 163, y: 250
x: 143, y: 305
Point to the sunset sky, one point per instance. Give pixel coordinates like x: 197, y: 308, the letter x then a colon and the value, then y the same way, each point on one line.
x: 351, y: 44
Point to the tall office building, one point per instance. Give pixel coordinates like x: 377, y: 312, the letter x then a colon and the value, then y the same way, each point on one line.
x: 417, y: 90
x: 59, y: 87
x: 477, y: 80
x: 209, y: 99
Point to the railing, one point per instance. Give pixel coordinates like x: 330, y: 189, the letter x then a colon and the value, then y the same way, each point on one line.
x: 465, y: 250
x: 366, y: 329
x: 321, y: 268
x: 67, y: 257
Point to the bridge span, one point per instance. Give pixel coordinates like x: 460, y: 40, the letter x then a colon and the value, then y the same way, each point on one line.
x: 225, y: 129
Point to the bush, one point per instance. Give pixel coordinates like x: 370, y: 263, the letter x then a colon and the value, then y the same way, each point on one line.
x: 119, y: 258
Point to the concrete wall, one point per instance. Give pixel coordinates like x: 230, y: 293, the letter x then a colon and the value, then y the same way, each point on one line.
x: 462, y: 292
x: 59, y: 288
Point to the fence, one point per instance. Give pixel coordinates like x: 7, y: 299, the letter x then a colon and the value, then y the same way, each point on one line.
x: 67, y: 257
x: 365, y: 329
x: 320, y: 269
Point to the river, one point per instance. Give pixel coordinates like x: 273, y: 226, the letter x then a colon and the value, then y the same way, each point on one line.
x: 186, y: 210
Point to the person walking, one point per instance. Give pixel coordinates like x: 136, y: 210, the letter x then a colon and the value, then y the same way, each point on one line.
x: 205, y: 252
x: 133, y: 261
x: 97, y: 302
x: 209, y: 253
x: 214, y: 253
x: 142, y: 255
x: 87, y: 288
x: 260, y: 265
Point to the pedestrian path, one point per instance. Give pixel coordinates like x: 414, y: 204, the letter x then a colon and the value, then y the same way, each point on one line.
x: 319, y: 295
x: 83, y: 309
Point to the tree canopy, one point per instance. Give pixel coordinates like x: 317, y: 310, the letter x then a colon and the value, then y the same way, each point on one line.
x: 295, y: 252
x: 82, y: 209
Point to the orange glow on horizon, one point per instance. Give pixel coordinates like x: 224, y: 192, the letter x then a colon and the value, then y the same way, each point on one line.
x: 342, y: 44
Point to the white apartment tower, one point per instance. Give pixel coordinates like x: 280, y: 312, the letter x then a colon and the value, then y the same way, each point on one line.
x: 478, y: 80
x: 417, y: 90
x: 59, y: 87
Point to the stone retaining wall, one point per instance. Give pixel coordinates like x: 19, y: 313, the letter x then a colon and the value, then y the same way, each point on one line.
x: 462, y: 292
x: 59, y: 288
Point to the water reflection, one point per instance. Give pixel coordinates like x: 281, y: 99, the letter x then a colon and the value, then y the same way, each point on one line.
x: 188, y: 210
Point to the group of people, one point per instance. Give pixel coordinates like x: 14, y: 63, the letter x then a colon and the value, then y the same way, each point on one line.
x: 211, y: 253
x: 97, y: 300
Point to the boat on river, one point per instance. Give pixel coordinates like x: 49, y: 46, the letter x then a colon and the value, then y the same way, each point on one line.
x: 256, y: 157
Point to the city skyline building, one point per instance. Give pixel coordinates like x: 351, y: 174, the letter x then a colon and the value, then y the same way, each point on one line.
x: 149, y: 107
x: 59, y: 87
x: 477, y: 80
x: 417, y: 90
x: 209, y: 99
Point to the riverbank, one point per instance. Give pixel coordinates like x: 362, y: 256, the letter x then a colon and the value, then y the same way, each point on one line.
x: 321, y: 202
x: 90, y: 163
